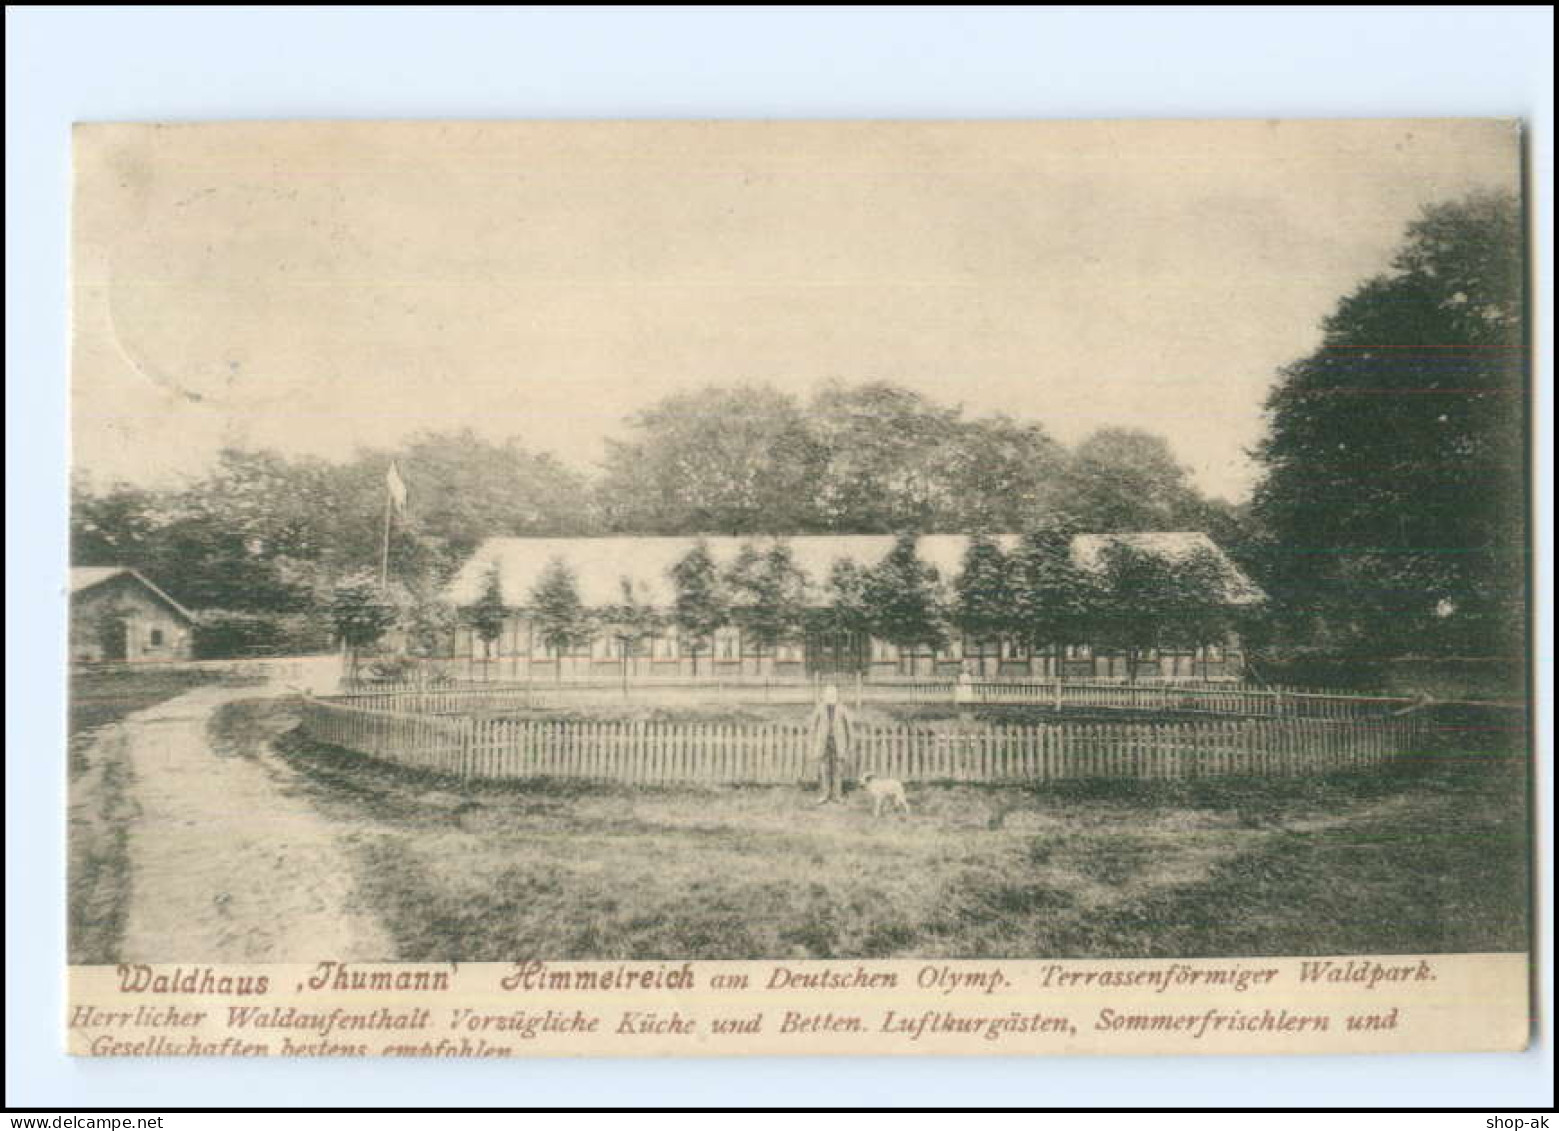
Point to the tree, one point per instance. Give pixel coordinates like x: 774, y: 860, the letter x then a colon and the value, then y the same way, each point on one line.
x: 1198, y: 611
x: 465, y: 488
x: 903, y: 596
x: 247, y: 536
x: 114, y: 527
x: 768, y: 595
x: 563, y: 621
x: 1054, y: 601
x: 1136, y: 601
x: 1001, y: 474
x: 885, y: 458
x: 1125, y: 479
x: 242, y: 537
x: 862, y: 458
x: 983, y: 602
x: 631, y: 621
x: 488, y: 613
x: 360, y: 615
x: 251, y: 534
x: 701, y: 607
x: 110, y: 624
x: 838, y: 630
x: 427, y: 626
x: 846, y: 609
x: 1151, y: 601
x: 734, y: 460
x: 1393, y: 495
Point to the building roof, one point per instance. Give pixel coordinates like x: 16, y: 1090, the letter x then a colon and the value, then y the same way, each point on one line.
x: 83, y: 578
x: 600, y: 564
x: 1174, y: 546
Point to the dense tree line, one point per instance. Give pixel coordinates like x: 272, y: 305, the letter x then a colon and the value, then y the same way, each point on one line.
x: 263, y: 542
x: 876, y: 458
x: 266, y: 533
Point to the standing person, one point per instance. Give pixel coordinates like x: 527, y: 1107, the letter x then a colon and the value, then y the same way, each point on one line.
x: 831, y: 743
x: 963, y: 694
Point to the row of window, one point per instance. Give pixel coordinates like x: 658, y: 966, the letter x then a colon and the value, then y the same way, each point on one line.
x: 727, y: 645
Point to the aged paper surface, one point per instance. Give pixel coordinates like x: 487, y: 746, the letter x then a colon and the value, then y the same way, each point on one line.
x: 697, y: 588
x: 1257, y: 1006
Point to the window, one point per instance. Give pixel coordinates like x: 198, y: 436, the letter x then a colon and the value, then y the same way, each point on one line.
x: 883, y: 651
x: 727, y: 644
x: 156, y: 638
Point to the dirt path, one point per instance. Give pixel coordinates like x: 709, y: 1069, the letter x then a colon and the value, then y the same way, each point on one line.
x: 227, y: 863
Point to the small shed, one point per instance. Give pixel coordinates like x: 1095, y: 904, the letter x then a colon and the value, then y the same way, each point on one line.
x: 117, y: 615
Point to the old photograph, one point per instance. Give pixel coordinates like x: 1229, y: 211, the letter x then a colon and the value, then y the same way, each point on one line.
x: 798, y: 542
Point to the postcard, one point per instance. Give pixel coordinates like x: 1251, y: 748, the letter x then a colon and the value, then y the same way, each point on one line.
x: 749, y: 588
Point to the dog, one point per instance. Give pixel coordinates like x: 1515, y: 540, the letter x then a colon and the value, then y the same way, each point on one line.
x: 885, y: 791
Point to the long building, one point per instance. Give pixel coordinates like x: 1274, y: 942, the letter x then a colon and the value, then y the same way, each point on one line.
x: 600, y: 566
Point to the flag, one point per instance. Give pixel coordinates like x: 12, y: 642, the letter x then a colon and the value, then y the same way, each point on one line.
x: 397, y: 488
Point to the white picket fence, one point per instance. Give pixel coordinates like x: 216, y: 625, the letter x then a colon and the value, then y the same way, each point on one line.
x: 656, y: 753
x: 1215, y: 699
x: 1199, y: 698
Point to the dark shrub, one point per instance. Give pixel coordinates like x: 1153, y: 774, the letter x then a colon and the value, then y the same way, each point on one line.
x: 221, y: 634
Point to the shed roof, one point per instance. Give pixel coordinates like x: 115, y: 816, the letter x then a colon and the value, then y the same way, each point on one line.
x: 600, y: 564
x: 83, y: 578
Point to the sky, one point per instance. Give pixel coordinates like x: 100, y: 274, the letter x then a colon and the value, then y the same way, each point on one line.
x: 316, y: 287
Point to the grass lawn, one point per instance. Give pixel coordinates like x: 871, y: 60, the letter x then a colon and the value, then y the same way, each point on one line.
x: 1487, y: 678
x: 1429, y: 857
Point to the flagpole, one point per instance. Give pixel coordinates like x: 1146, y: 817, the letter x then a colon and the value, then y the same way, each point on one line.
x: 384, y: 554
